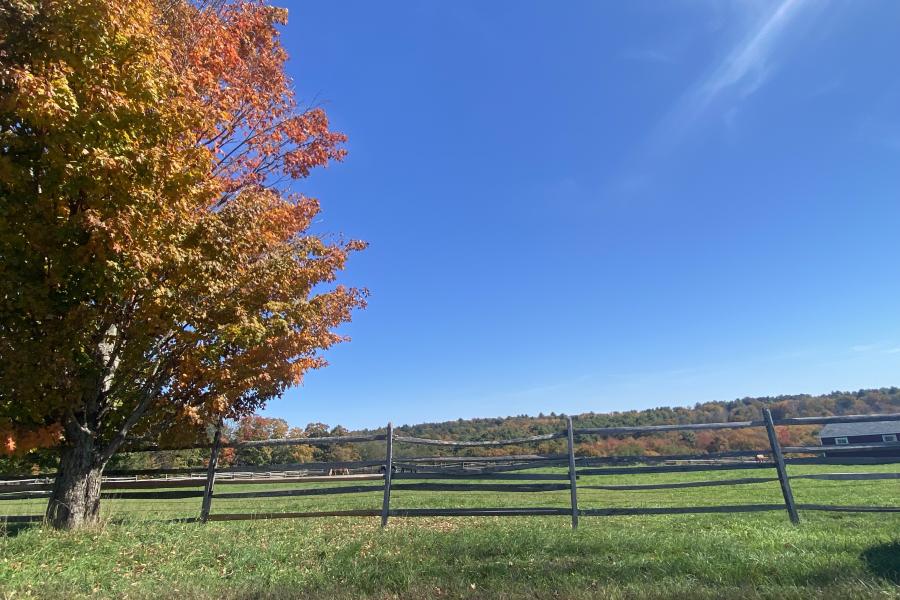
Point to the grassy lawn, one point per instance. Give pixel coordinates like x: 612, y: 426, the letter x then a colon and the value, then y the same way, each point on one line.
x: 137, y: 554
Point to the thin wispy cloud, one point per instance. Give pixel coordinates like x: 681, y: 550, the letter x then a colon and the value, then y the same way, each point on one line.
x: 741, y: 73
x: 865, y: 347
x: 550, y: 387
x: 880, y: 347
x: 749, y: 61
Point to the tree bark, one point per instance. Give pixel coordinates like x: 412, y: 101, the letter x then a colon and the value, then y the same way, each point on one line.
x: 75, y: 499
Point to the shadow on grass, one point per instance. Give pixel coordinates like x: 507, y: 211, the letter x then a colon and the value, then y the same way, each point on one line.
x: 884, y: 560
x: 12, y: 529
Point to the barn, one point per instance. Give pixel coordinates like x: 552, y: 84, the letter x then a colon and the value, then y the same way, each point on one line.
x: 882, y: 434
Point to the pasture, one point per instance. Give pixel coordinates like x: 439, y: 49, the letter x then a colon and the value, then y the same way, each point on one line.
x: 142, y: 550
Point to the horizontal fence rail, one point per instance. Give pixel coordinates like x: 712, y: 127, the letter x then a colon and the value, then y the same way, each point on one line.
x: 736, y: 424
x: 638, y: 429
x: 307, y: 441
x: 480, y: 443
x: 492, y: 474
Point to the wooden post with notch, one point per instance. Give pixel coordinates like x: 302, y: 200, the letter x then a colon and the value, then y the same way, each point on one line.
x: 778, y: 458
x: 572, y: 474
x: 211, y: 474
x: 388, y: 467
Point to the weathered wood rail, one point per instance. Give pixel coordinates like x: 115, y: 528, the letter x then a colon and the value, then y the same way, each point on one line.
x: 495, y: 474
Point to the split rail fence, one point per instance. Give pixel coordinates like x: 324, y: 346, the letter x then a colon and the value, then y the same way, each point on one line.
x: 513, y: 474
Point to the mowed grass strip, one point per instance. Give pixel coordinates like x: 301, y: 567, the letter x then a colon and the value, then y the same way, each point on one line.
x: 134, y: 554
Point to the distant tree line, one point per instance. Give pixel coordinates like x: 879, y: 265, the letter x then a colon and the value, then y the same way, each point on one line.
x: 256, y: 427
x: 745, y: 409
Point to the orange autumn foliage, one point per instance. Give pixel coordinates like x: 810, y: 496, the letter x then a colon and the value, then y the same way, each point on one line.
x: 159, y: 273
x: 17, y: 443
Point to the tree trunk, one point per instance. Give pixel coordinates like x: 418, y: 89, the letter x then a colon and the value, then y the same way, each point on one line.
x: 75, y: 499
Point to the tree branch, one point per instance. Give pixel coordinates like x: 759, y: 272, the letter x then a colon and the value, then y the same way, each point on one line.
x: 130, y: 422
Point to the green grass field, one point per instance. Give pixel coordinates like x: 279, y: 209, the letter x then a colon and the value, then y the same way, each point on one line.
x: 139, y: 552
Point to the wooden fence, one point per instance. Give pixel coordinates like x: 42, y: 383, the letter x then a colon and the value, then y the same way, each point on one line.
x: 511, y: 474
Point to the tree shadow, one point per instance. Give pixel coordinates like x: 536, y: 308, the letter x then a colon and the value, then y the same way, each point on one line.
x: 884, y: 560
x: 12, y: 529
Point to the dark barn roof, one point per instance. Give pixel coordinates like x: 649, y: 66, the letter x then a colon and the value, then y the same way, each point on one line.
x: 853, y: 429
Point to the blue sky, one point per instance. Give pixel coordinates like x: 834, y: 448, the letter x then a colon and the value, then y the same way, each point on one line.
x: 597, y: 206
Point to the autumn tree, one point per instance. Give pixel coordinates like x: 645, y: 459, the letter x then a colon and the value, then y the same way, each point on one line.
x: 255, y: 428
x: 156, y: 274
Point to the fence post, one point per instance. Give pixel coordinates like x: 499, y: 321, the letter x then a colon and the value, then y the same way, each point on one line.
x: 211, y: 474
x: 572, y: 474
x: 778, y: 457
x: 388, y: 467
